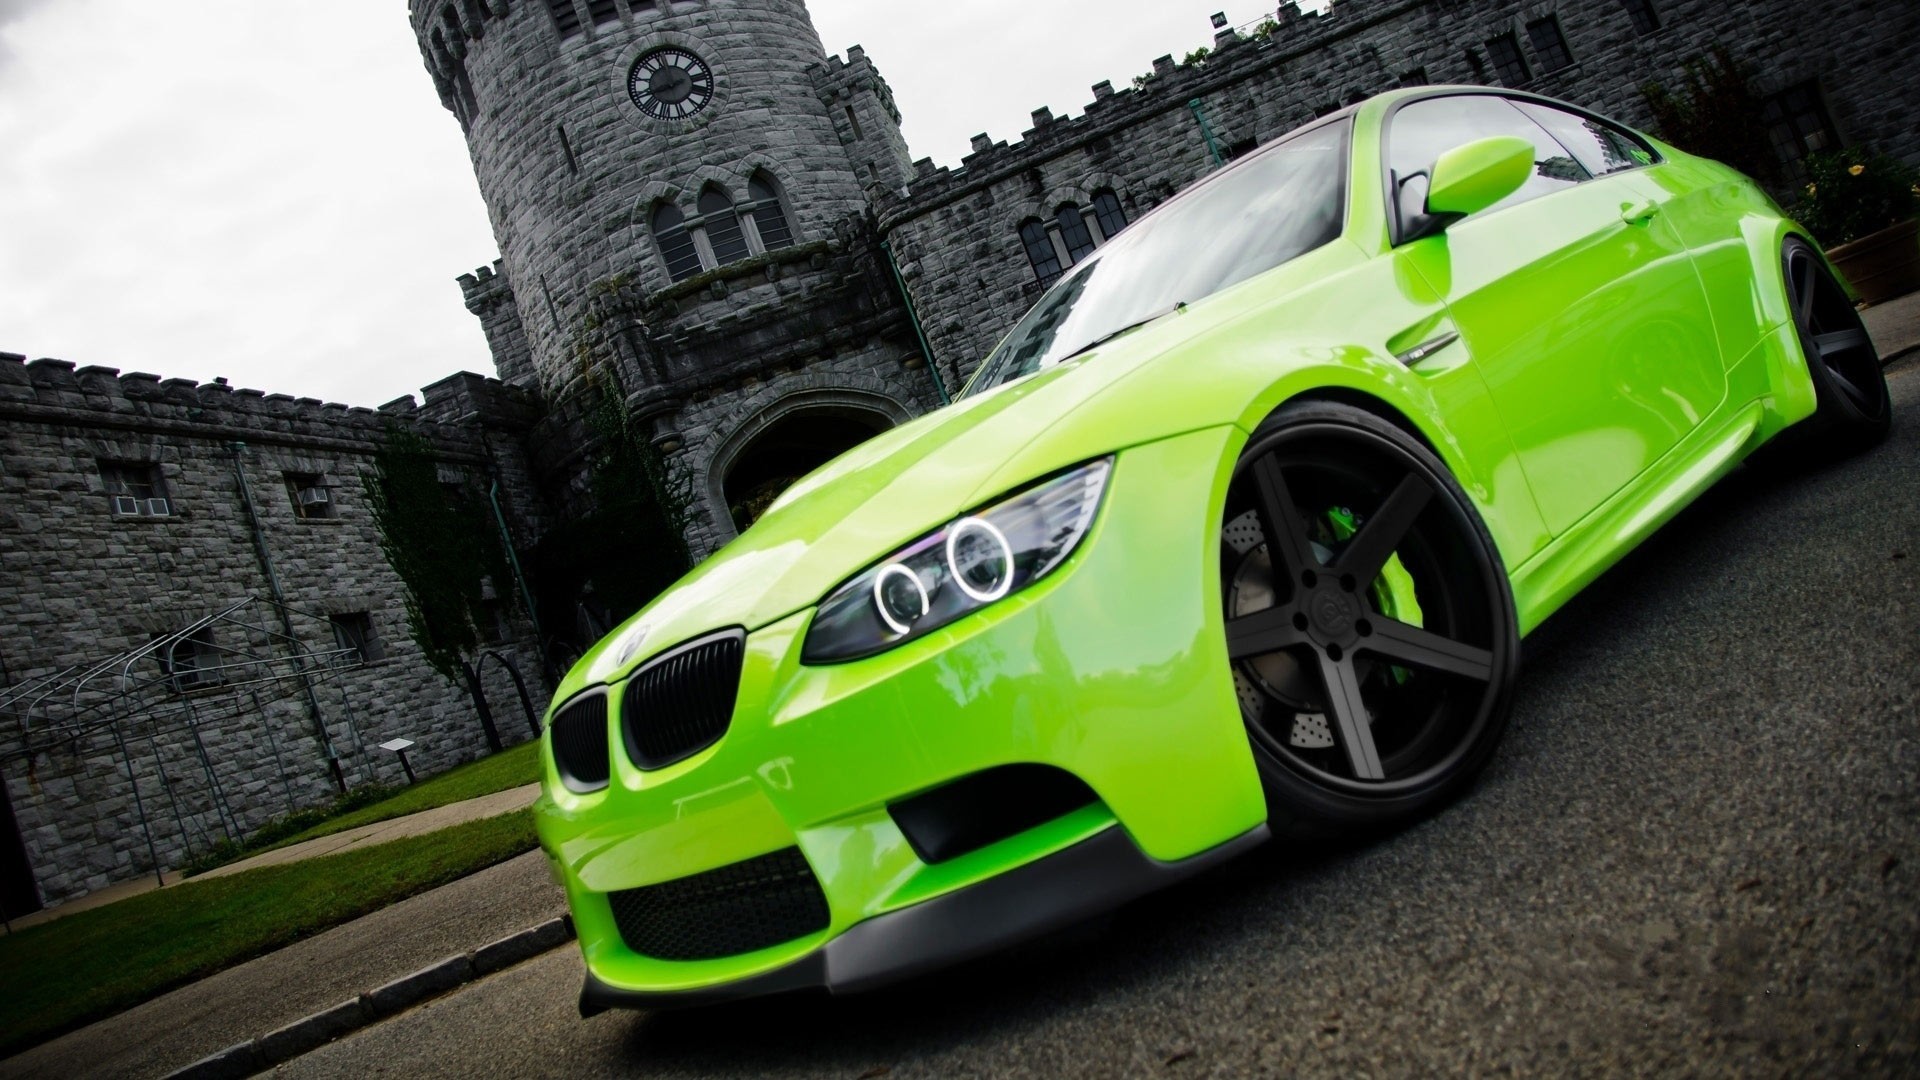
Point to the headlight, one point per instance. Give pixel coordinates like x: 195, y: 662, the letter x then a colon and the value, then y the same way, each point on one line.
x: 965, y: 566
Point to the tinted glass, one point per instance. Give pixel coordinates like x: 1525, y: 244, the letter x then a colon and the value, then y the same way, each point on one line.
x: 1600, y: 148
x: 1425, y: 129
x: 1273, y: 207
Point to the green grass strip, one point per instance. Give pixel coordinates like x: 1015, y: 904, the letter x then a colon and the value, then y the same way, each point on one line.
x: 69, y: 972
x: 510, y: 768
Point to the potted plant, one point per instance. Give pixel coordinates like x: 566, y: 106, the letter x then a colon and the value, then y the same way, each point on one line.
x: 1864, y: 205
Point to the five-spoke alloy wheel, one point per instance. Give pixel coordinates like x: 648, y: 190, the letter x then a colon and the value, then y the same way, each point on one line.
x: 1369, y: 621
x: 1854, y: 410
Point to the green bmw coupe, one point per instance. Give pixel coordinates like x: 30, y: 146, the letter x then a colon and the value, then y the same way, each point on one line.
x: 1237, y: 533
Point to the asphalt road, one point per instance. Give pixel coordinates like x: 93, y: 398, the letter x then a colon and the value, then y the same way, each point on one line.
x: 1696, y: 853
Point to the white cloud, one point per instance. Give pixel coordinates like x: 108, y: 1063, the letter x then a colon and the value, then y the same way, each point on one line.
x: 272, y: 192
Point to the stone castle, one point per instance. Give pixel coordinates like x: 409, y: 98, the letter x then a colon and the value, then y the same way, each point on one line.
x: 703, y: 214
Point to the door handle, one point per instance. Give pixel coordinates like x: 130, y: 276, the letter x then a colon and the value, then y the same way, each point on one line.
x: 1639, y: 213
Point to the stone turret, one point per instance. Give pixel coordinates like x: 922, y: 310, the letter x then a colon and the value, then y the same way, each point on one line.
x: 680, y: 194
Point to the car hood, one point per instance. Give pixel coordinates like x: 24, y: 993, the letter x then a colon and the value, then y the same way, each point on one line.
x: 858, y: 507
x: 904, y: 483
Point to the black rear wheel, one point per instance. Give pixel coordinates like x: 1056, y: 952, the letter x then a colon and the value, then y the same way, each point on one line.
x: 1854, y: 410
x: 1369, y: 620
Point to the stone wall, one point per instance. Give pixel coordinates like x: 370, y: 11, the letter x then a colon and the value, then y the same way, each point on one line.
x: 955, y: 231
x: 85, y: 583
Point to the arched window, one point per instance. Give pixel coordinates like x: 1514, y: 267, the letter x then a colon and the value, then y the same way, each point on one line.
x: 769, y: 220
x: 677, y: 247
x: 1039, y: 245
x: 1107, y: 213
x: 1073, y: 232
x: 722, y: 225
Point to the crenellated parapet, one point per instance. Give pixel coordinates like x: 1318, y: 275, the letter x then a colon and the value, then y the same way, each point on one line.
x: 490, y: 296
x: 864, y: 114
x: 1169, y: 87
x: 56, y: 392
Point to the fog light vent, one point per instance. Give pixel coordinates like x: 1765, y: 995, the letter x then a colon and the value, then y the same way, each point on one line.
x: 986, y: 808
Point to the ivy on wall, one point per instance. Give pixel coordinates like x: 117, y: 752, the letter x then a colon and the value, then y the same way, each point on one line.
x: 632, y: 544
x: 443, y: 545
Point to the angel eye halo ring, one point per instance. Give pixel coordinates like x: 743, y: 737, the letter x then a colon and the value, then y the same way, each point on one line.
x: 981, y: 545
x: 887, y: 597
x: 971, y: 562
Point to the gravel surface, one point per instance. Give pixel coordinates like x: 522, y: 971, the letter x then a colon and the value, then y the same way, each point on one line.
x: 1696, y: 853
x: 252, y: 999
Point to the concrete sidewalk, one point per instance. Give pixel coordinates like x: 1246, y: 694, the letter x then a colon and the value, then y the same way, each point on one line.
x: 426, y: 821
x: 1895, y: 326
x: 305, y: 978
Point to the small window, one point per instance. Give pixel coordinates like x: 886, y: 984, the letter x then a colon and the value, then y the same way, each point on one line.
x: 134, y: 489
x: 493, y: 622
x: 722, y: 225
x: 1798, y: 124
x: 1416, y: 77
x: 1107, y: 212
x: 1508, y: 64
x: 1423, y: 130
x: 312, y: 498
x: 602, y: 11
x: 1046, y: 262
x: 354, y: 639
x: 1073, y: 232
x: 769, y: 219
x: 676, y: 242
x: 1640, y: 12
x: 192, y: 662
x: 1600, y: 147
x: 1549, y: 44
x: 565, y: 19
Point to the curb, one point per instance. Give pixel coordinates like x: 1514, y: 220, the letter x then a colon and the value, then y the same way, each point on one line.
x: 310, y: 1033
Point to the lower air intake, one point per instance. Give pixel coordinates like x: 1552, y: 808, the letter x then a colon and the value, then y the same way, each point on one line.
x: 724, y: 912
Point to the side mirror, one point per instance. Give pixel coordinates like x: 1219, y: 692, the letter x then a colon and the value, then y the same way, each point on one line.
x: 1470, y: 178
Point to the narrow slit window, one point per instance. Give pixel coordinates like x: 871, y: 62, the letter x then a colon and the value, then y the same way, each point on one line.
x: 602, y: 11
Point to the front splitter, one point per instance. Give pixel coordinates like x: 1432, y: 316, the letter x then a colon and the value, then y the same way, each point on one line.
x: 1095, y: 875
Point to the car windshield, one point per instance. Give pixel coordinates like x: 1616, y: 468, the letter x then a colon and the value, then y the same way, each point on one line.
x: 1277, y: 206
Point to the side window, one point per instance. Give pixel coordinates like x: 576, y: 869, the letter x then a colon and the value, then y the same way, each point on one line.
x: 1423, y: 130
x: 1599, y: 147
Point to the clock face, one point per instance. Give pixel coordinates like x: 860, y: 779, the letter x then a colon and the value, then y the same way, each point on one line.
x: 670, y: 84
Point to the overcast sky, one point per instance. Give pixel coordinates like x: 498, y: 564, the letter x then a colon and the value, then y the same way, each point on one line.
x: 269, y: 190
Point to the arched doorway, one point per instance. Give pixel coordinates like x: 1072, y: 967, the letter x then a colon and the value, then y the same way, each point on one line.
x: 789, y: 447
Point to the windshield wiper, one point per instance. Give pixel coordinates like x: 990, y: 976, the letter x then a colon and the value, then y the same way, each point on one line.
x: 1178, y: 305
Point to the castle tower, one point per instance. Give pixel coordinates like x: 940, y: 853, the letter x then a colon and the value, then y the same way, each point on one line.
x: 680, y: 193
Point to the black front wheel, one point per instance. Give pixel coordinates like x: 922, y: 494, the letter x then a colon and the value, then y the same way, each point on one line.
x: 1854, y: 410
x: 1370, y: 623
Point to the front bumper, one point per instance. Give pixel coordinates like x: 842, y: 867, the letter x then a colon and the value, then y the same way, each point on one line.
x: 1113, y: 669
x: 1095, y: 875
